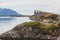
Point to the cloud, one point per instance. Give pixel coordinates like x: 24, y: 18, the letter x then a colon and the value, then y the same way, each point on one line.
x: 27, y: 6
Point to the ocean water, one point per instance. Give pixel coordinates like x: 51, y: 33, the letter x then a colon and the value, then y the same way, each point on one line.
x: 7, y: 24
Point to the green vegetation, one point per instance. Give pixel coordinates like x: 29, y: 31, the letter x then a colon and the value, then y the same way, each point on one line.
x: 53, y: 16
x: 31, y: 24
x: 39, y: 26
x: 59, y: 25
x: 48, y: 27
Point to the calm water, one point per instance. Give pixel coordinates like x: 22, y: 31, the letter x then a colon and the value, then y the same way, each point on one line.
x: 9, y: 23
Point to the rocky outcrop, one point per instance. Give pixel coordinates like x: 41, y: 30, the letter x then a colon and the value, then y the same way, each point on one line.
x: 21, y: 31
x: 42, y: 16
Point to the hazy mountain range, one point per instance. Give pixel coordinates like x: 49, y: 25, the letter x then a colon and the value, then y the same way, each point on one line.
x: 8, y: 12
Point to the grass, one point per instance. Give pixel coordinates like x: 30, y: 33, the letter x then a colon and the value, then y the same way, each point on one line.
x: 39, y: 26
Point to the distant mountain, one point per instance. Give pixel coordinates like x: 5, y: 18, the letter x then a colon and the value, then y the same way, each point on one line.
x: 8, y: 12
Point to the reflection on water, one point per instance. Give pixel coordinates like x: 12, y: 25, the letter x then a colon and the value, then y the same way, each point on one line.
x: 9, y: 23
x: 4, y: 20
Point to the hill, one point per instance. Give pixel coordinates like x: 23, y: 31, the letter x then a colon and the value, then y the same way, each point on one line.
x: 8, y: 12
x: 44, y: 25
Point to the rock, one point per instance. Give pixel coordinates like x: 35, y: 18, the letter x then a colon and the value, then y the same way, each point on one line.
x: 20, y: 31
x: 32, y: 30
x: 42, y: 16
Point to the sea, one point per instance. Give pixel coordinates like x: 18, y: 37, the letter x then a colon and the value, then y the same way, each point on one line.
x: 8, y: 23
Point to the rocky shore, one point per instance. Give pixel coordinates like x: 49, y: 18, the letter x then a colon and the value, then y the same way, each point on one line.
x: 22, y: 32
x: 44, y: 26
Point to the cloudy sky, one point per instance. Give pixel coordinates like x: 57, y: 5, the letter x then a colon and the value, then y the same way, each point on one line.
x: 27, y: 7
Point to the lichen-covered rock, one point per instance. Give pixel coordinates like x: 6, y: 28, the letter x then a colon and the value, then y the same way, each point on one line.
x: 22, y: 31
x: 33, y: 31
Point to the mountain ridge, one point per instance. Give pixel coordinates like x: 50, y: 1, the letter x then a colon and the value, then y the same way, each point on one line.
x: 8, y: 12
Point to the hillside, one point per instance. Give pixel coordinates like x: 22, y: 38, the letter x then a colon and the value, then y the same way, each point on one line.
x: 45, y: 17
x: 44, y: 25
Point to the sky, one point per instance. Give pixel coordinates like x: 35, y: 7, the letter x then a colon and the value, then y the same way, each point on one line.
x: 27, y: 7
